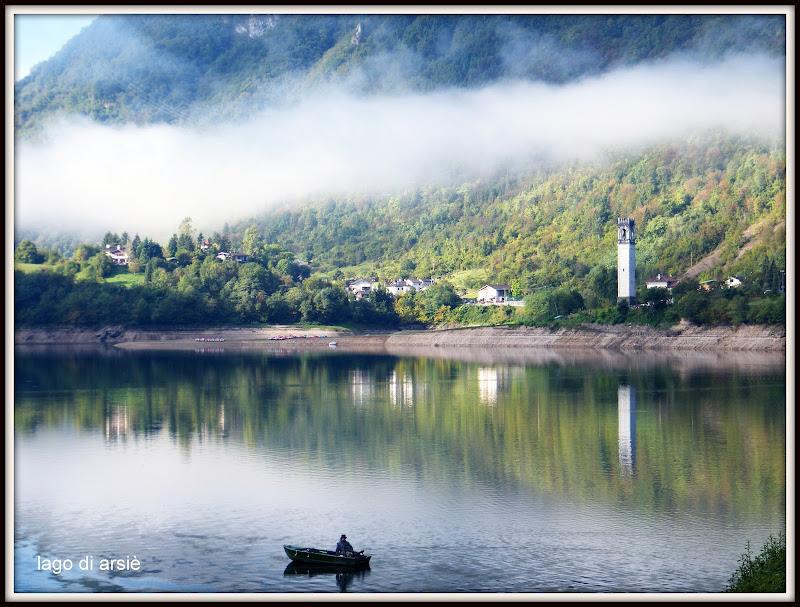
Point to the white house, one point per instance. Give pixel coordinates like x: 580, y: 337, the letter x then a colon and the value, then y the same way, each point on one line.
x: 361, y: 286
x: 494, y: 293
x: 238, y: 257
x: 419, y: 284
x: 660, y: 280
x: 117, y: 254
x: 398, y: 287
x: 733, y: 281
x: 406, y: 285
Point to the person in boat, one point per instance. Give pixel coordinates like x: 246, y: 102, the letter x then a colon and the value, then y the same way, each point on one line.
x: 343, y: 547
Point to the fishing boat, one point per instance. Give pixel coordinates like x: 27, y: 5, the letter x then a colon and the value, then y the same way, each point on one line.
x: 317, y: 556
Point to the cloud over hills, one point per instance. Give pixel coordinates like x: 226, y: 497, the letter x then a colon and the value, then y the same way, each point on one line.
x: 148, y: 178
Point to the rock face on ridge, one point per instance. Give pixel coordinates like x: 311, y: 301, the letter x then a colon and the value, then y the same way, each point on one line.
x: 257, y: 26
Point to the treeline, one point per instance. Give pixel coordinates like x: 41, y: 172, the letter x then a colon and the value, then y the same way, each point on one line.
x: 196, y: 288
x: 750, y: 303
x: 204, y: 290
x: 193, y: 287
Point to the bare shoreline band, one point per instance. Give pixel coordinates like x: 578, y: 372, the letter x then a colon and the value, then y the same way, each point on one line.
x: 684, y: 336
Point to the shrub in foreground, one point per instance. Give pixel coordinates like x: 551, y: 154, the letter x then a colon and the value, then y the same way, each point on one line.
x: 764, y: 573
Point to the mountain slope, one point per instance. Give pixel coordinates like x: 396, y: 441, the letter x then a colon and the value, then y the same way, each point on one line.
x: 203, y: 68
x: 557, y: 227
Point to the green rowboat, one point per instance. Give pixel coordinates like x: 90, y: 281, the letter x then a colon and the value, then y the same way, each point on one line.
x: 316, y: 556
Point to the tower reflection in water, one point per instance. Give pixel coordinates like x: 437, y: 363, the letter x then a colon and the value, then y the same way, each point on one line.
x: 626, y: 398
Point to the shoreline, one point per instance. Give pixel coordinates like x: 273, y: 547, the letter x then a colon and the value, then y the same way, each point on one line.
x: 682, y: 337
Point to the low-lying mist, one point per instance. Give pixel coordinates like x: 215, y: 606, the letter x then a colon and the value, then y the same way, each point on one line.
x: 146, y: 179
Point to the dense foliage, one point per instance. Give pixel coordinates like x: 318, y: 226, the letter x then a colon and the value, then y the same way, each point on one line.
x: 764, y: 573
x: 557, y: 229
x: 174, y: 68
x: 194, y: 287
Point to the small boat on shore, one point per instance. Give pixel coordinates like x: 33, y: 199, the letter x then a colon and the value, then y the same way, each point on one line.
x: 316, y: 556
x: 333, y: 344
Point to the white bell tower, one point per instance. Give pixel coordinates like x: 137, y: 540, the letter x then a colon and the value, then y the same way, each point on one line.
x: 626, y: 261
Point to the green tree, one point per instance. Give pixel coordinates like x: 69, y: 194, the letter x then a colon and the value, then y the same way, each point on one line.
x: 253, y: 244
x: 184, y: 258
x: 215, y: 274
x: 172, y: 246
x: 135, y: 246
x: 404, y: 307
x: 148, y: 250
x: 538, y: 306
x: 110, y: 238
x: 84, y: 252
x: 186, y: 235
x: 248, y: 293
x: 438, y: 299
x: 330, y: 305
x: 26, y: 253
x: 657, y: 297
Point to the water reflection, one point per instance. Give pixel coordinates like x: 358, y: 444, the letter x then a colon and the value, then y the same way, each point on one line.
x: 431, y: 415
x: 627, y: 428
x: 401, y: 389
x: 117, y: 424
x: 600, y: 467
x: 343, y: 576
x: 490, y: 381
x: 362, y: 386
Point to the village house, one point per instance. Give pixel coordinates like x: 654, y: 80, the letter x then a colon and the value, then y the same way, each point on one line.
x: 406, y: 285
x: 733, y: 282
x: 419, y: 284
x: 494, y: 294
x: 660, y: 280
x: 398, y: 287
x: 238, y: 257
x: 117, y: 254
x: 361, y: 287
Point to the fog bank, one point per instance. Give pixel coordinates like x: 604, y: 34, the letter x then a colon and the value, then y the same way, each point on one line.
x: 146, y: 179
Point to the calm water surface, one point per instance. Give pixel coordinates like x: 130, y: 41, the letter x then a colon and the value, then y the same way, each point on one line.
x: 522, y: 472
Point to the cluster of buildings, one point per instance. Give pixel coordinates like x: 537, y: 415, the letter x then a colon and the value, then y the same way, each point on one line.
x: 488, y: 294
x: 121, y: 257
x: 492, y: 294
x: 363, y: 286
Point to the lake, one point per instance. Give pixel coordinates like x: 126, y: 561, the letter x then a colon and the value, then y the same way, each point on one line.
x: 459, y: 472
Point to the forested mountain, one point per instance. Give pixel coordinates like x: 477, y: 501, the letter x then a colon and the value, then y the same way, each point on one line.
x: 556, y: 227
x: 203, y: 68
x: 547, y: 229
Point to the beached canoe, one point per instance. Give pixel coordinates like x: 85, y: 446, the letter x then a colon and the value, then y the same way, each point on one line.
x: 325, y: 557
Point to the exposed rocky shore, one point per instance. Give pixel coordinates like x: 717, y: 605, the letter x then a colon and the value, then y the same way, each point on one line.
x: 681, y: 337
x: 684, y: 336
